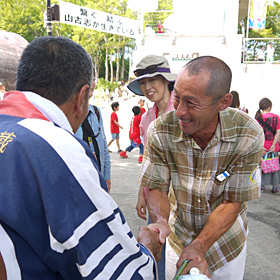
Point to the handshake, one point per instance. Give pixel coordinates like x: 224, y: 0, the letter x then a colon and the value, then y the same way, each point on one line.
x: 153, y: 237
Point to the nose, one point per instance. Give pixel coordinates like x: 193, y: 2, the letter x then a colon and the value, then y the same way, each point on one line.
x: 147, y: 85
x: 181, y: 110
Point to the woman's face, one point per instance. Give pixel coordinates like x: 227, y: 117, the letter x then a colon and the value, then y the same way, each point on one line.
x: 154, y: 88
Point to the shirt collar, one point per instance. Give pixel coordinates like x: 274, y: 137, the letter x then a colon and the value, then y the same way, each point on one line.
x: 50, y: 110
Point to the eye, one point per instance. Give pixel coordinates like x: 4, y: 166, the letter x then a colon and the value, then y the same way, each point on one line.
x: 190, y: 103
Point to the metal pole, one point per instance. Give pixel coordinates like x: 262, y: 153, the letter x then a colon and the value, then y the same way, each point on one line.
x: 247, y: 35
x: 49, y: 18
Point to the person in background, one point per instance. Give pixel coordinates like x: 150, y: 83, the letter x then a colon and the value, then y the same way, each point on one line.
x: 115, y: 126
x: 260, y: 54
x: 235, y: 103
x: 155, y: 81
x: 141, y: 104
x: 57, y: 220
x: 159, y: 27
x: 244, y: 109
x: 211, y: 155
x: 269, y: 53
x: 134, y: 135
x: 2, y: 90
x: 270, y: 123
x: 92, y: 132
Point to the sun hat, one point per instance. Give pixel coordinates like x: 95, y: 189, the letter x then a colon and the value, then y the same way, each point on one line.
x: 148, y: 67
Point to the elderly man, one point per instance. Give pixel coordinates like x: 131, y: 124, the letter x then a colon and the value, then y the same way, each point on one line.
x: 56, y: 219
x: 210, y: 154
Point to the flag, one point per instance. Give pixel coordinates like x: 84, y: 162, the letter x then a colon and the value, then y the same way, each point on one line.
x: 257, y: 16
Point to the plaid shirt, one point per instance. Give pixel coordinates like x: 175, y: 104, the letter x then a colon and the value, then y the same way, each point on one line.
x: 172, y: 157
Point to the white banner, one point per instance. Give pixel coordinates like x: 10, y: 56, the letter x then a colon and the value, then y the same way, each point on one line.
x: 97, y: 20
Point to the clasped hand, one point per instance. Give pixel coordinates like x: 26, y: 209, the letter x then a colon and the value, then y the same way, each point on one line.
x: 153, y: 237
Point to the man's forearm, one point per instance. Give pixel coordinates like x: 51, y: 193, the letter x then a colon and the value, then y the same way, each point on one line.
x: 158, y: 206
x: 218, y: 223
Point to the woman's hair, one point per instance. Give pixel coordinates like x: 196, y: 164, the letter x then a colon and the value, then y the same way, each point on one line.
x: 235, y: 103
x: 171, y: 86
x: 264, y: 104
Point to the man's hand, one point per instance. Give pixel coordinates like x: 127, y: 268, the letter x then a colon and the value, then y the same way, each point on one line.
x: 218, y: 223
x: 195, y: 254
x: 150, y: 239
x: 162, y: 229
x: 108, y: 185
x: 141, y: 206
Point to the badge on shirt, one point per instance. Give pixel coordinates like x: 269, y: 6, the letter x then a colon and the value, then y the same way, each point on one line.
x: 223, y: 176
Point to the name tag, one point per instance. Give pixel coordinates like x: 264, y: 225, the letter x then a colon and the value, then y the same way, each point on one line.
x: 223, y: 176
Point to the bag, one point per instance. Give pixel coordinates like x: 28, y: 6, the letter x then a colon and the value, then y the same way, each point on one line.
x: 88, y: 136
x: 270, y: 165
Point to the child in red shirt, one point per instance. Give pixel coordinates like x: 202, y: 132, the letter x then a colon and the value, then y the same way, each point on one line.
x: 134, y: 135
x: 141, y: 104
x: 115, y: 126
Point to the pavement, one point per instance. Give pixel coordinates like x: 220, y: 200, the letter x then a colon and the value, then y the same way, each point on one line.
x: 263, y: 214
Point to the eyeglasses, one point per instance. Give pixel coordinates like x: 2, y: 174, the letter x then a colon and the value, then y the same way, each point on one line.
x: 151, y: 69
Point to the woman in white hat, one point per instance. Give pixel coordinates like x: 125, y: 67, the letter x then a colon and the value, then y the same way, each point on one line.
x: 155, y: 81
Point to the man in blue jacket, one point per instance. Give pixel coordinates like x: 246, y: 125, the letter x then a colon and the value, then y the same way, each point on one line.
x: 57, y: 220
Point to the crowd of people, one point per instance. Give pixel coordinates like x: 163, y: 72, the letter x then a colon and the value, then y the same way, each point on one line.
x: 201, y: 161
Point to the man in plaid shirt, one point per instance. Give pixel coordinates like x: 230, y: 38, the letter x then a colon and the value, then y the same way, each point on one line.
x: 201, y: 165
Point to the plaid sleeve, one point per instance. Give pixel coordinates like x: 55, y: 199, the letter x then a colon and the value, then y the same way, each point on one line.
x: 154, y: 173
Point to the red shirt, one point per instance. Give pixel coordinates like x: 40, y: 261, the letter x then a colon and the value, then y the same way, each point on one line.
x: 114, y: 127
x: 273, y: 121
x: 143, y: 111
x: 134, y: 131
x: 160, y: 28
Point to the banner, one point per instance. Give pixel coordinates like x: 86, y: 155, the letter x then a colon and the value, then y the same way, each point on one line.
x: 257, y: 16
x: 97, y: 20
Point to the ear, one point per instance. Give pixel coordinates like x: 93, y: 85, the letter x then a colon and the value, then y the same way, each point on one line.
x: 80, y: 99
x: 225, y: 101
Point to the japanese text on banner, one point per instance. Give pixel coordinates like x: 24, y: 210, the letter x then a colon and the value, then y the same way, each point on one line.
x: 97, y: 20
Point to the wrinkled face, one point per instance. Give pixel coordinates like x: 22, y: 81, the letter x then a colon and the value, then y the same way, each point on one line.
x: 153, y: 88
x: 193, y: 107
x: 92, y: 87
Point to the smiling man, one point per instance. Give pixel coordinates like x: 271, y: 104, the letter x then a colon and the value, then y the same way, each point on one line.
x: 210, y: 154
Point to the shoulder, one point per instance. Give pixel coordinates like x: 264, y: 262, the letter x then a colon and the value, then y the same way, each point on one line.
x: 235, y: 122
x: 167, y: 121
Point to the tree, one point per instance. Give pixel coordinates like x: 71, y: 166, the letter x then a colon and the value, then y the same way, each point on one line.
x: 272, y: 30
x: 23, y: 17
x: 26, y: 19
x: 152, y: 18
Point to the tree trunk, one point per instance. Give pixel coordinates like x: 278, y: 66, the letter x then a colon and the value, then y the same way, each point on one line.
x: 96, y: 67
x: 112, y: 70
x: 118, y: 60
x: 122, y: 68
x: 106, y: 61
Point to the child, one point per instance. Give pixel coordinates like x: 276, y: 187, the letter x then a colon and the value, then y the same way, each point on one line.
x: 115, y: 126
x: 134, y: 135
x: 141, y: 104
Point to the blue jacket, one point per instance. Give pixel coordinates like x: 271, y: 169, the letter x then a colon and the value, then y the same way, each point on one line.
x: 98, y: 129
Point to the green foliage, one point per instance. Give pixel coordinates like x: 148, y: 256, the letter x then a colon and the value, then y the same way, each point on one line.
x: 106, y: 84
x: 272, y: 30
x: 152, y: 19
x: 26, y: 19
x: 23, y: 17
